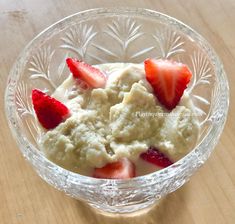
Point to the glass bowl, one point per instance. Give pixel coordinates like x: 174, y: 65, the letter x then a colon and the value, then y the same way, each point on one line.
x: 116, y: 35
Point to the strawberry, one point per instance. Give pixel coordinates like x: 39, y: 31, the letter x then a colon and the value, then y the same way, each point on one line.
x: 169, y: 79
x: 50, y: 112
x: 154, y: 156
x: 91, y: 75
x: 122, y: 169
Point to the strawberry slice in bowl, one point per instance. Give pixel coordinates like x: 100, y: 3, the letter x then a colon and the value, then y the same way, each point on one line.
x: 168, y: 79
x: 122, y: 169
x: 50, y: 112
x: 87, y: 73
x: 154, y: 156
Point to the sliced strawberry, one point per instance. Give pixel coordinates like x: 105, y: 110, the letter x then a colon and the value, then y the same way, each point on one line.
x: 169, y: 79
x: 122, y: 169
x: 91, y: 75
x: 154, y: 156
x: 50, y: 112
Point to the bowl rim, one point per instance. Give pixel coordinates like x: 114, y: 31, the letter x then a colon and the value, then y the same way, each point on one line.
x: 165, y: 173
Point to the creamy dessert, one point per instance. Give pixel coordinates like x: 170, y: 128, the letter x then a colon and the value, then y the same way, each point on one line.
x: 118, y: 120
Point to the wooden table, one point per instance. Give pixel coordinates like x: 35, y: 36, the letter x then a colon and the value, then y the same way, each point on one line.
x: 209, y: 197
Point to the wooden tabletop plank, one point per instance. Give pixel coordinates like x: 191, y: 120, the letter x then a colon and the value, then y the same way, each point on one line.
x: 208, y: 198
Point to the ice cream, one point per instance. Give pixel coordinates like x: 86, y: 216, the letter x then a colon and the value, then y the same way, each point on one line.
x: 122, y: 119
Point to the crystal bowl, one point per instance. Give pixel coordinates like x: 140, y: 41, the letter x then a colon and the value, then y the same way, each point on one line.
x: 116, y: 35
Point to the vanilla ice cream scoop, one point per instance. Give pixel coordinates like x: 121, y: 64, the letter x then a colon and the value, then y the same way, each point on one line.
x: 123, y: 119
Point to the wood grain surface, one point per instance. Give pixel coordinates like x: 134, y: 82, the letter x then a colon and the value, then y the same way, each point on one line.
x: 209, y: 197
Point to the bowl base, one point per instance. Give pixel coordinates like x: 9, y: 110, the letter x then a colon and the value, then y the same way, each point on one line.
x: 130, y: 210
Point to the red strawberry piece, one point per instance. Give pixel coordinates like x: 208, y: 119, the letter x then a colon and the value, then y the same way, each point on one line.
x: 169, y: 79
x: 154, y: 156
x: 122, y: 169
x: 91, y: 75
x: 50, y: 112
